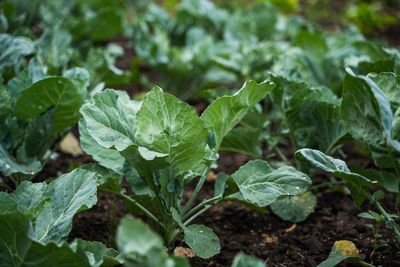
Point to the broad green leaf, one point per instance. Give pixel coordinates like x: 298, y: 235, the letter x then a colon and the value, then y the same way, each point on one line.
x: 202, y: 240
x: 9, y: 166
x: 7, y: 204
x: 55, y: 47
x: 78, y: 74
x: 366, y: 111
x: 54, y: 91
x: 38, y: 137
x: 97, y: 253
x: 166, y: 125
x: 106, y: 157
x: 243, y: 140
x: 388, y: 180
x: 262, y: 185
x: 139, y: 246
x: 224, y: 113
x: 25, y: 79
x: 342, y: 251
x: 297, y: 101
x: 243, y: 260
x: 68, y: 194
x: 295, y: 208
x: 17, y: 249
x: 356, y: 182
x: 12, y: 49
x: 107, y: 122
x: 134, y: 237
x: 389, y: 83
x: 325, y: 124
x: 30, y: 198
x: 220, y: 182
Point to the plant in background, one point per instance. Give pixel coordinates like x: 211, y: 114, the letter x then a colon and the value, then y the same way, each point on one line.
x: 35, y: 110
x: 367, y: 106
x: 161, y: 145
x: 370, y: 17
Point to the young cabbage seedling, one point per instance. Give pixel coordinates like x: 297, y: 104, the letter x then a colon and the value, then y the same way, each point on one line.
x: 161, y: 145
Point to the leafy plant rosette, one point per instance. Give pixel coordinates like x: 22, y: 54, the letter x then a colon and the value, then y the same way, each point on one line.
x: 370, y: 108
x: 35, y: 111
x: 161, y: 145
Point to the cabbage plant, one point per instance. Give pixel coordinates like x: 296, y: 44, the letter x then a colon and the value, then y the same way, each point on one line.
x: 161, y: 145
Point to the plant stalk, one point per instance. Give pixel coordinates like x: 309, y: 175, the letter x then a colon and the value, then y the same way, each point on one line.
x: 197, y: 214
x: 146, y: 211
x: 390, y: 223
x: 196, y: 190
x: 204, y: 203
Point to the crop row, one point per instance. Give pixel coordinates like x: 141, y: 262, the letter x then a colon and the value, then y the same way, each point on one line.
x: 300, y: 87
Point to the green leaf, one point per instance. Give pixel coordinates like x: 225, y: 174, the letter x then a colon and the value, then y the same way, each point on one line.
x: 12, y: 49
x: 30, y: 198
x: 166, y: 125
x: 17, y: 249
x: 55, y: 47
x: 5, y: 102
x: 9, y: 166
x: 78, y: 74
x: 242, y: 140
x: 134, y: 237
x: 356, y: 182
x: 325, y: 124
x: 38, y: 137
x: 139, y: 246
x: 295, y: 208
x: 262, y: 185
x: 106, y: 157
x: 366, y: 111
x: 297, y: 101
x: 97, y: 253
x: 69, y: 194
x: 202, y: 240
x: 342, y: 251
x: 389, y: 83
x: 7, y: 204
x: 224, y: 113
x: 243, y: 260
x: 54, y: 91
x: 220, y: 182
x: 388, y: 180
x: 107, y: 122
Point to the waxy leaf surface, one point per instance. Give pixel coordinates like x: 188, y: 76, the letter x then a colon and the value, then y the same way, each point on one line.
x: 54, y: 91
x: 262, y: 185
x: 166, y: 125
x: 224, y: 113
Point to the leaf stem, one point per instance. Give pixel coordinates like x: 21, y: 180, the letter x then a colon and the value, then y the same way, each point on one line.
x: 6, y: 187
x: 281, y: 155
x: 197, y: 214
x: 146, y: 211
x: 197, y: 189
x: 390, y: 223
x: 204, y: 203
x: 366, y: 264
